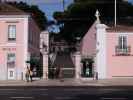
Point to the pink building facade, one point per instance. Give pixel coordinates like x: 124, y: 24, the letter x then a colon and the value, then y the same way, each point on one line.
x: 111, y: 50
x: 119, y: 52
x: 19, y: 39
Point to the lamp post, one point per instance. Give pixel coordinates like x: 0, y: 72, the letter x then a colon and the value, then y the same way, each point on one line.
x: 115, y: 13
x: 63, y: 2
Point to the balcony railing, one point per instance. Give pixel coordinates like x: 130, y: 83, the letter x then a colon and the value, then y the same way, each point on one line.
x: 123, y: 51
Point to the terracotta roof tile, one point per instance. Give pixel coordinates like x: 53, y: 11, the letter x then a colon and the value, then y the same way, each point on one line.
x: 120, y: 28
x: 6, y: 9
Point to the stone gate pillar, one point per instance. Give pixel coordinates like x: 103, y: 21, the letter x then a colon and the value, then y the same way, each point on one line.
x: 45, y: 65
x: 44, y: 49
x: 77, y: 65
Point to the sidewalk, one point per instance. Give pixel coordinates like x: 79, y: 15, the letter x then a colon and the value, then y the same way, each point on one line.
x: 49, y: 82
x: 111, y: 82
x: 70, y: 82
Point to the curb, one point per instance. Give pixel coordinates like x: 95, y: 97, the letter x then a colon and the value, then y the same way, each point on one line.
x: 66, y: 83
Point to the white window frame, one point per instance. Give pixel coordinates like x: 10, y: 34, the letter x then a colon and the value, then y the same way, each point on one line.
x: 11, y: 59
x: 122, y: 35
x: 11, y: 32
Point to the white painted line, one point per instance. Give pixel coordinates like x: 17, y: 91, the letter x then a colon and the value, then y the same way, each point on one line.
x: 21, y: 97
x: 104, y: 98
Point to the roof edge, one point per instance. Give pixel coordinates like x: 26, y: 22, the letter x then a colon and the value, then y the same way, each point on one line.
x: 15, y: 16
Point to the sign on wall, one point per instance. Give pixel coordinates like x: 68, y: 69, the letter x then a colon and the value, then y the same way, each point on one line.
x: 8, y: 49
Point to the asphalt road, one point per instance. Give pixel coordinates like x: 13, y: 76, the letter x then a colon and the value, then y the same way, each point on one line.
x: 66, y: 93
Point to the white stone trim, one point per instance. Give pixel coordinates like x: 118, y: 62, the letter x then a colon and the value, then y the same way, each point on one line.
x: 10, y: 45
x: 26, y: 28
x: 120, y: 33
x: 101, y: 54
x: 3, y: 71
x: 14, y: 16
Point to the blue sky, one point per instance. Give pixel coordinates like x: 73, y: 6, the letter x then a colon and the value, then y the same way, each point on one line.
x: 50, y: 6
x: 130, y: 1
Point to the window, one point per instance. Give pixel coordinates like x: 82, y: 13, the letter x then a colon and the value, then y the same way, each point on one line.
x: 11, y: 58
x: 122, y: 48
x: 122, y: 42
x: 11, y: 32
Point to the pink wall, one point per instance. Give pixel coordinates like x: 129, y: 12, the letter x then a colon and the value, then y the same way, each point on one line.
x: 4, y: 31
x: 16, y: 47
x: 118, y: 65
x: 88, y: 43
x: 19, y: 39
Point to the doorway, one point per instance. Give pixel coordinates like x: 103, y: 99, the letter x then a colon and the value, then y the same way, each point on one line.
x: 87, y: 68
x: 11, y: 74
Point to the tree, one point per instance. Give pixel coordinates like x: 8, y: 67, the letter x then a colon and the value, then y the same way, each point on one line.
x: 36, y: 13
x: 80, y: 15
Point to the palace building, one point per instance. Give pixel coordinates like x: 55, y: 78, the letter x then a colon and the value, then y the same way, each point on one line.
x: 19, y: 40
x: 110, y: 51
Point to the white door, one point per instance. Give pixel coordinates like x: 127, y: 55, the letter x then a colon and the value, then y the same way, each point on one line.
x: 11, y: 74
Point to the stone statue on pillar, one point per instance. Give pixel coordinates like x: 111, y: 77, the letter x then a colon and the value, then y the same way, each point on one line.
x: 97, y: 14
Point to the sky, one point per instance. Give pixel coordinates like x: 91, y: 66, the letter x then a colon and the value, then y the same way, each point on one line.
x: 50, y: 6
x: 130, y: 1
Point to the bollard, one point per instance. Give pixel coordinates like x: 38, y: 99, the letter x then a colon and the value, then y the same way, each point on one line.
x: 46, y: 75
x: 21, y: 75
x: 96, y: 75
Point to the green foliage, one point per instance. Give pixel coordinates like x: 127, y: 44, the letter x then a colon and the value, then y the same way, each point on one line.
x: 81, y: 14
x: 33, y: 62
x: 58, y: 15
x: 36, y: 13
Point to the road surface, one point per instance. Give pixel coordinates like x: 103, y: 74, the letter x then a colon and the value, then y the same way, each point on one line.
x: 66, y: 93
